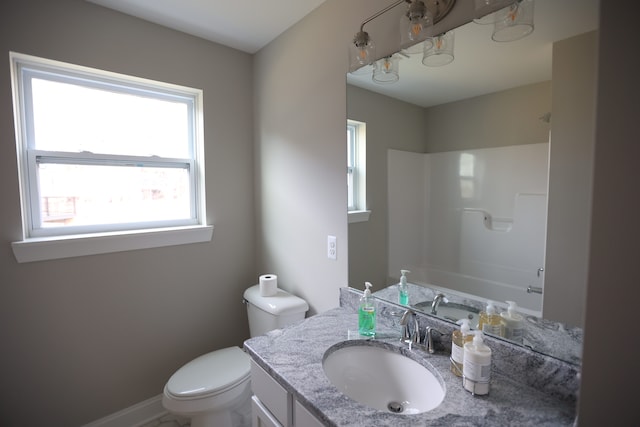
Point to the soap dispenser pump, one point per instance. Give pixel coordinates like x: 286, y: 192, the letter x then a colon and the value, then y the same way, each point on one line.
x: 458, y: 339
x: 490, y: 321
x: 367, y: 313
x: 403, y: 289
x: 512, y: 323
x: 476, y: 371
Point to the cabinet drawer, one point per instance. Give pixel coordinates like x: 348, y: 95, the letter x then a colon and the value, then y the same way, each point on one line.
x: 271, y: 394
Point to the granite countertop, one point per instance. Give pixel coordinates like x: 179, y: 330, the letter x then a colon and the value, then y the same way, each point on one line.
x: 556, y: 339
x: 294, y: 355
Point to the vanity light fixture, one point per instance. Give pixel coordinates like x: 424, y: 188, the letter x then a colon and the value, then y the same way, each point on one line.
x: 415, y: 25
x: 362, y: 49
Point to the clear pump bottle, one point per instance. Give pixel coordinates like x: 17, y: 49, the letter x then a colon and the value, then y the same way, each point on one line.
x: 367, y: 313
x: 403, y: 289
x: 512, y: 323
x: 490, y: 321
x: 458, y: 339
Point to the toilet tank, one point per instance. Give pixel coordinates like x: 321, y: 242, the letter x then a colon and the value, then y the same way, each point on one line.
x: 269, y: 313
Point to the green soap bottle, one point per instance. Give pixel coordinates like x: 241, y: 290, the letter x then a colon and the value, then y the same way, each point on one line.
x: 403, y: 289
x: 367, y: 313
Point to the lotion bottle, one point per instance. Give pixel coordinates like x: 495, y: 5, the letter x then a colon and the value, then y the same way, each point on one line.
x: 476, y: 370
x: 458, y: 339
x: 512, y: 323
x: 403, y: 290
x: 490, y: 322
x: 367, y: 313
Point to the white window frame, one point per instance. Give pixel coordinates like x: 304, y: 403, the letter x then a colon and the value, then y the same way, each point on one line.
x: 62, y: 242
x: 357, y: 152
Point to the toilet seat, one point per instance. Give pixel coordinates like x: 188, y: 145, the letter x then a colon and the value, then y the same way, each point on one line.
x: 209, y: 375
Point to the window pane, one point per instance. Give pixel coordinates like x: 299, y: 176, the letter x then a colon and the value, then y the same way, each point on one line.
x: 74, y: 195
x: 74, y: 118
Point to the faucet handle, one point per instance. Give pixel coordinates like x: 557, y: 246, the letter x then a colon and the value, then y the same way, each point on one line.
x: 408, y: 337
x: 428, y: 338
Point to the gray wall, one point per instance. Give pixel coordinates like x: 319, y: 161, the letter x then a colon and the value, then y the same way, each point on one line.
x: 391, y: 124
x: 508, y: 117
x: 85, y: 337
x: 570, y: 177
x: 609, y: 366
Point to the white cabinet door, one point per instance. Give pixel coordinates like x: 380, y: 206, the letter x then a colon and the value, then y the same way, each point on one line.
x: 271, y: 394
x: 260, y: 416
x: 303, y: 418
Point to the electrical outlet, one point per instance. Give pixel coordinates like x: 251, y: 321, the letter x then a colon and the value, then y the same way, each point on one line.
x: 332, y: 247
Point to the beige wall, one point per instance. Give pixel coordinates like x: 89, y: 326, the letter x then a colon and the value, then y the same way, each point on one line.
x: 85, y: 337
x: 391, y: 124
x: 610, y: 367
x: 570, y: 176
x: 508, y: 117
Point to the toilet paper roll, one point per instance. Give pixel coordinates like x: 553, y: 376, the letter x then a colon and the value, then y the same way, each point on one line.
x: 268, y: 285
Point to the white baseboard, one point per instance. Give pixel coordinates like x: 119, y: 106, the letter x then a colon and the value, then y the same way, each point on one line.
x: 133, y: 416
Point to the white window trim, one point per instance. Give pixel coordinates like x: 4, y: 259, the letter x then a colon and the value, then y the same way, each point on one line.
x: 48, y: 248
x: 361, y: 213
x: 56, y: 247
x: 359, y: 216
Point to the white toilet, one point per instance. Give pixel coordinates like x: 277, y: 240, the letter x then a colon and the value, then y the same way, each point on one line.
x: 214, y: 390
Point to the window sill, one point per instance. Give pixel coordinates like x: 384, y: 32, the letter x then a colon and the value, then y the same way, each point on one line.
x: 41, y: 249
x: 358, y: 216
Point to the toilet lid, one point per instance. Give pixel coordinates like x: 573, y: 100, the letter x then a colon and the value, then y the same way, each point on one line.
x: 211, y: 373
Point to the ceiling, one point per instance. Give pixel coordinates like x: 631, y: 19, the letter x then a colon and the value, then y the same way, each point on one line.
x: 481, y: 66
x: 246, y: 25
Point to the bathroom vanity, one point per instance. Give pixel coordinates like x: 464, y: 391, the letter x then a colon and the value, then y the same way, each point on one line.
x: 292, y: 389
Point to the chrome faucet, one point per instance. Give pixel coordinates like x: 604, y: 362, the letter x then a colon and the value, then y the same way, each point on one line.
x: 408, y: 336
x: 436, y: 301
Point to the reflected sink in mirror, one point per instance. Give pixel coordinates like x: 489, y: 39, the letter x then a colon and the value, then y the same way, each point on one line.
x: 451, y: 311
x: 382, y: 378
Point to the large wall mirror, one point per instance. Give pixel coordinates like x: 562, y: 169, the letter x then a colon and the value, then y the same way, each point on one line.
x: 478, y: 172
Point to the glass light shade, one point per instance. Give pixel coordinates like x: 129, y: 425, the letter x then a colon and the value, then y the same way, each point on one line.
x: 441, y: 52
x: 514, y: 22
x: 414, y: 23
x: 482, y: 6
x: 361, y: 51
x: 418, y: 48
x: 385, y: 70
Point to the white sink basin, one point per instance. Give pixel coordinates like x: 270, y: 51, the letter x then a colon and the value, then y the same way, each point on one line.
x: 383, y: 379
x: 452, y: 311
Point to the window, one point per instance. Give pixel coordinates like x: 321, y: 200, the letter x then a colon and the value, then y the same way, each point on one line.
x: 100, y: 152
x: 356, y: 171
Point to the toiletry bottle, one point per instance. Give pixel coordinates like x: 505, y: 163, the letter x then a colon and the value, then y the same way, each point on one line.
x: 490, y: 321
x: 476, y: 370
x: 367, y: 313
x: 512, y: 323
x: 458, y: 339
x: 403, y: 290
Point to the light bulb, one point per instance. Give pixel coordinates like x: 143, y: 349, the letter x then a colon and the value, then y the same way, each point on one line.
x: 416, y: 29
